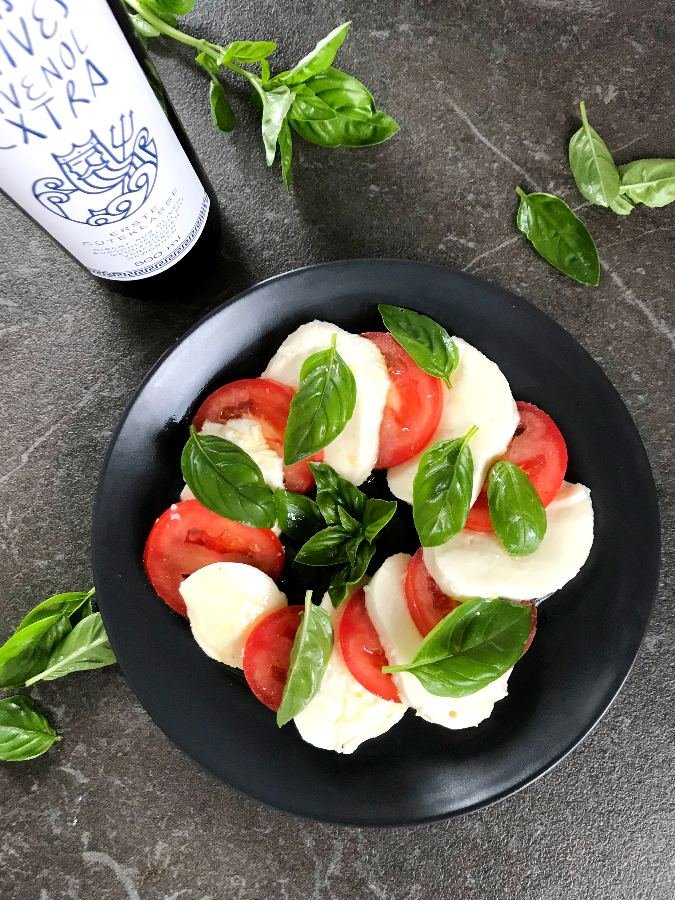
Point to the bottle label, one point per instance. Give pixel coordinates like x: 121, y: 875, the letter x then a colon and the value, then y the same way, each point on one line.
x: 85, y: 146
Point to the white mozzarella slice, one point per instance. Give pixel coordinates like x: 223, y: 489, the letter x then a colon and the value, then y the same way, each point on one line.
x: 224, y: 600
x: 343, y: 714
x: 388, y: 611
x: 480, y: 395
x: 353, y: 453
x: 472, y: 564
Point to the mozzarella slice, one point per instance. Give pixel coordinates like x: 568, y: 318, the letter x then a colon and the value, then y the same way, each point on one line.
x: 480, y: 395
x: 353, y: 453
x: 472, y: 564
x: 224, y: 600
x: 344, y: 714
x: 388, y: 611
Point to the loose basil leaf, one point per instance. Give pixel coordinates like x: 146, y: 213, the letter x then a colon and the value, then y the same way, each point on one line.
x: 142, y: 28
x: 426, y: 341
x: 649, y: 181
x: 28, y: 650
x: 285, y: 141
x: 85, y: 647
x: 311, y: 651
x: 24, y: 732
x: 377, y: 515
x: 326, y: 548
x: 59, y: 605
x: 222, y: 114
x: 317, y: 60
x: 471, y: 647
x: 297, y: 516
x: 592, y: 165
x: 321, y: 407
x: 621, y: 205
x: 559, y: 236
x: 442, y: 490
x: 248, y: 51
x: 516, y: 511
x: 350, y: 574
x: 333, y: 492
x: 276, y: 104
x: 226, y: 480
x: 348, y: 522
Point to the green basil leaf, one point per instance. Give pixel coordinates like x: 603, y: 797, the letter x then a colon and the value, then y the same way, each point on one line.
x: 426, y: 341
x: 59, y: 605
x: 297, y: 516
x: 248, y: 51
x: 348, y: 522
x: 276, y: 104
x: 28, y: 650
x: 24, y: 732
x: 285, y: 141
x: 322, y: 405
x: 227, y: 481
x: 207, y: 62
x: 592, y: 165
x: 222, y: 114
x: 325, y: 548
x: 471, y: 647
x: 167, y: 10
x: 377, y: 515
x: 516, y: 512
x: 311, y: 651
x: 621, y: 205
x: 442, y: 490
x: 352, y: 547
x: 559, y: 236
x: 333, y: 492
x: 144, y: 29
x: 85, y: 647
x: 649, y: 181
x: 350, y: 574
x: 317, y: 60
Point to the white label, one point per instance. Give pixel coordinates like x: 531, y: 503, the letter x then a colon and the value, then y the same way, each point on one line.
x: 85, y: 147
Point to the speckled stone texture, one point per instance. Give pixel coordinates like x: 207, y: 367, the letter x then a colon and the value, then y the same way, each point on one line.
x: 486, y: 92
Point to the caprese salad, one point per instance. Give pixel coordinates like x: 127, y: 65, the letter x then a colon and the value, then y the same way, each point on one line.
x: 290, y: 454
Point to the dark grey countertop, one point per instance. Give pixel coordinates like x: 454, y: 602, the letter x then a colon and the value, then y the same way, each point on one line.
x: 486, y: 94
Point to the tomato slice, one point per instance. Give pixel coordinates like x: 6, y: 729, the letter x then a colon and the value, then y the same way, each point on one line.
x: 427, y: 604
x: 539, y: 449
x: 267, y: 654
x: 414, y: 404
x: 268, y: 402
x: 362, y: 651
x: 187, y: 537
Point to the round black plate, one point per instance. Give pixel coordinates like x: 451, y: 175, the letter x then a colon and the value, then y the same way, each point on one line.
x: 589, y: 632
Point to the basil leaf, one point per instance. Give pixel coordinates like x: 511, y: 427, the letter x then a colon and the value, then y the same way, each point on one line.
x: 248, y: 51
x: 24, y: 732
x: 317, y: 60
x: 142, y: 28
x: 208, y: 63
x: 227, y: 481
x: 348, y: 575
x: 167, y: 10
x: 28, y: 650
x: 276, y: 104
x: 333, y: 492
x: 559, y: 236
x: 85, y: 647
x: 321, y: 407
x: 222, y: 114
x: 377, y: 515
x: 592, y: 165
x: 649, y: 181
x: 311, y: 651
x: 297, y: 516
x: 59, y: 605
x: 325, y: 548
x: 352, y: 547
x: 621, y: 205
x: 426, y: 341
x: 471, y: 647
x: 442, y: 490
x: 285, y: 141
x: 516, y: 511
x: 348, y: 522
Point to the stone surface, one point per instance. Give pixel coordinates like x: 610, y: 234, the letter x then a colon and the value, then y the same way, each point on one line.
x: 486, y: 94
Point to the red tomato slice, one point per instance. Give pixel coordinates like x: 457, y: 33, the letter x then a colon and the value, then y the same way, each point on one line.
x: 413, y: 408
x: 539, y: 449
x: 268, y: 402
x: 267, y: 654
x: 362, y: 650
x: 427, y: 604
x: 187, y: 537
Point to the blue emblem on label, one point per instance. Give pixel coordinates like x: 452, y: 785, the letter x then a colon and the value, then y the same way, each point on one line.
x: 120, y: 174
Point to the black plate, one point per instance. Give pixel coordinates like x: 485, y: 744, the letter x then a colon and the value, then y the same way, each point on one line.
x: 589, y: 632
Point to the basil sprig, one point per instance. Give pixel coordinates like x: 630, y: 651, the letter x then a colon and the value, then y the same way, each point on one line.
x: 226, y: 480
x: 310, y: 653
x: 516, y: 511
x: 322, y: 405
x: 426, y: 341
x: 442, y: 490
x: 471, y: 647
x: 24, y: 732
x: 592, y: 165
x: 648, y: 181
x: 559, y: 236
x: 334, y: 492
x: 85, y: 647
